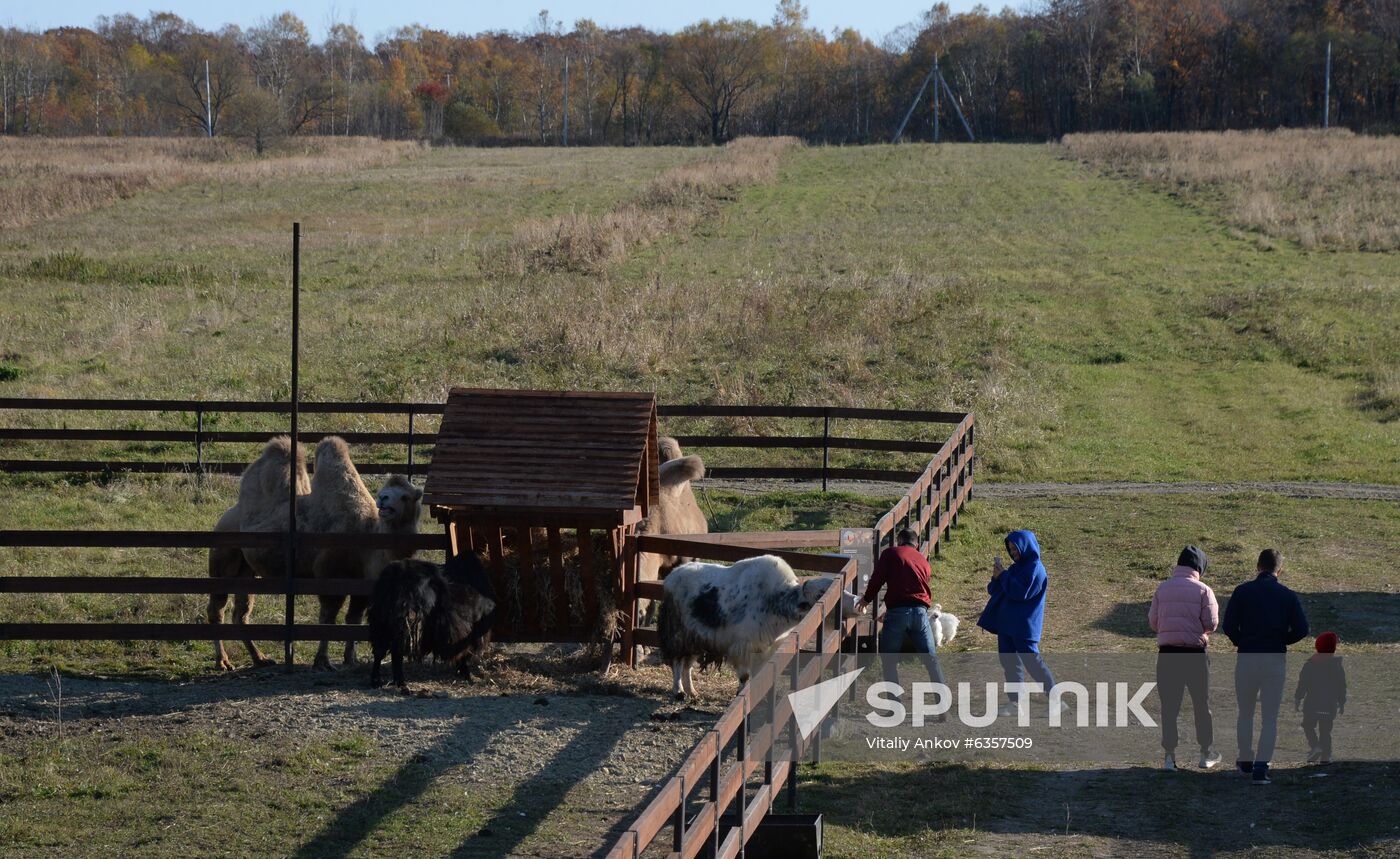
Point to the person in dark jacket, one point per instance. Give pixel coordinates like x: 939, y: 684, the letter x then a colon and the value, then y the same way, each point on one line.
x: 1262, y: 618
x: 1015, y: 613
x: 904, y: 573
x: 1322, y: 696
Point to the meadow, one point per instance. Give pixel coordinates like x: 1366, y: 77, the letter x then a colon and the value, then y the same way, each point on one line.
x: 1101, y: 329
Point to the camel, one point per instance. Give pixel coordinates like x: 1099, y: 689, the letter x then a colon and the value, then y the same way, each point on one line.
x: 335, y: 500
x: 676, y: 511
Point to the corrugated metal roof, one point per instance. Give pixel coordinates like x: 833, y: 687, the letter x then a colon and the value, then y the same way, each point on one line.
x: 545, y: 451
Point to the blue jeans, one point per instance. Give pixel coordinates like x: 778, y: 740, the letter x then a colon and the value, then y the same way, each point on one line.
x: 1259, y: 677
x: 906, y: 630
x: 1017, y: 654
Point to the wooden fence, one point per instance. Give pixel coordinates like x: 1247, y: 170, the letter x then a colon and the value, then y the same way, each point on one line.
x: 415, y: 441
x: 721, y: 822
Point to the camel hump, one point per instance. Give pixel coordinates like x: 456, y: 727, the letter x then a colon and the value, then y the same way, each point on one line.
x: 336, y: 485
x: 676, y: 472
x: 267, y: 481
x: 668, y: 447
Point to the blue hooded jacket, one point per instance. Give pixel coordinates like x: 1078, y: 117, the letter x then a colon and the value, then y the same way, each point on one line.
x: 1016, y: 606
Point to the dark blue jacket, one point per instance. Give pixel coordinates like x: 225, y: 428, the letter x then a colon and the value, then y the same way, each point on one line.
x: 1016, y: 598
x: 1264, y: 616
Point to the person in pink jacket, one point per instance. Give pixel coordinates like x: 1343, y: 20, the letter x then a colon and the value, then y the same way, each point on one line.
x: 1184, y: 614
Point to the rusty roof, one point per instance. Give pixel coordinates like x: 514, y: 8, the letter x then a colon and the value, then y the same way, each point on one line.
x: 556, y: 452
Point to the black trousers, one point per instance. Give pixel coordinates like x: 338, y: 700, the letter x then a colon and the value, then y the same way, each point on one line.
x: 1179, y: 670
x: 1317, y: 727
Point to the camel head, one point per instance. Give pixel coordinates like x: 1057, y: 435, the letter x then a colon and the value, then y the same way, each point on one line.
x: 399, y: 502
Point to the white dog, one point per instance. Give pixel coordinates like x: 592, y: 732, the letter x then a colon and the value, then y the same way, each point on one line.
x: 945, y: 625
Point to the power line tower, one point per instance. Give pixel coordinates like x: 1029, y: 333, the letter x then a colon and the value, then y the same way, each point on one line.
x: 936, y: 77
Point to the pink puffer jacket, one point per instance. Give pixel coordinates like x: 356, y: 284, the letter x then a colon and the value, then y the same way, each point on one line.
x: 1184, y: 612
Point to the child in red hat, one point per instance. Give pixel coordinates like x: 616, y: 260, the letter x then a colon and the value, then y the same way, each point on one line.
x: 1322, y: 696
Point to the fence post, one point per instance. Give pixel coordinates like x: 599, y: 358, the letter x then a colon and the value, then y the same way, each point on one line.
x: 714, y: 791
x: 793, y: 736
x: 826, y: 445
x: 410, y: 445
x: 678, y: 822
x: 199, y: 443
x: 742, y: 753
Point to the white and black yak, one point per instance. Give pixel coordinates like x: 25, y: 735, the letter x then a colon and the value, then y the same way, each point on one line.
x: 420, y: 608
x: 713, y: 613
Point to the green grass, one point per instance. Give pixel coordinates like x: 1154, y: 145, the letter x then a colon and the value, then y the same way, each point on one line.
x: 897, y: 810
x: 1099, y: 329
x: 187, y: 792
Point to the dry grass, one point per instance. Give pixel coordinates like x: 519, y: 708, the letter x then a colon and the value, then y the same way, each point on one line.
x: 674, y: 201
x: 42, y: 178
x: 1328, y: 189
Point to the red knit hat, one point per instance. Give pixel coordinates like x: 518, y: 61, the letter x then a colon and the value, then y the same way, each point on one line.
x: 1327, y: 642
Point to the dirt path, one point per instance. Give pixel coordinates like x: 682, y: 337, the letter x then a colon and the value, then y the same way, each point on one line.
x: 1290, y: 489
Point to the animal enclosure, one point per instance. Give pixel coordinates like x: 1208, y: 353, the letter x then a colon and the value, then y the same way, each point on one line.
x: 942, y: 487
x: 481, y: 500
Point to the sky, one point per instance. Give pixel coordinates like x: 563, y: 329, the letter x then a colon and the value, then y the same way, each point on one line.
x: 873, y: 18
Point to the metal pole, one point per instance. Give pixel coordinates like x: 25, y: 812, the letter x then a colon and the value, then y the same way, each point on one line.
x: 1327, y: 91
x: 208, y: 102
x: 566, y: 99
x: 935, y: 99
x: 410, y: 444
x: 915, y: 103
x: 290, y: 618
x: 954, y: 102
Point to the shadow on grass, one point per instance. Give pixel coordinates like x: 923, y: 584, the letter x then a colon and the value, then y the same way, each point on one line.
x: 1363, y: 617
x: 531, y: 802
x: 533, y: 799
x: 1126, y: 618
x: 1189, y: 810
x: 1369, y: 617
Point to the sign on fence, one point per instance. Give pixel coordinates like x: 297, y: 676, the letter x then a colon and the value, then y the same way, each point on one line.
x: 859, y: 543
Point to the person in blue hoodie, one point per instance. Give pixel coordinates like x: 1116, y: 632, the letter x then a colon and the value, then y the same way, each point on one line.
x: 1015, y: 613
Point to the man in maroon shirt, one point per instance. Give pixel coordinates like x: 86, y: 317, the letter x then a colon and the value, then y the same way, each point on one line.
x: 904, y: 573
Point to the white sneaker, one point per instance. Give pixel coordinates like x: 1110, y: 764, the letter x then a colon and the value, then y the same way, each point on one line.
x: 1169, y: 762
x: 1209, y: 759
x: 1010, y: 708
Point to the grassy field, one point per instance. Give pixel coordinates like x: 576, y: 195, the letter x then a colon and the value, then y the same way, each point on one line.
x: 1322, y: 189
x: 1101, y: 330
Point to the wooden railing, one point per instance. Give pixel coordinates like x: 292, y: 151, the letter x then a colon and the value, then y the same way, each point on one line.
x: 286, y: 631
x: 722, y: 822
x: 707, y: 804
x: 415, y: 441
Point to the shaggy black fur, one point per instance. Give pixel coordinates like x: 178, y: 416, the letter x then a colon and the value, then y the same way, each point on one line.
x: 421, y: 608
x: 678, y: 642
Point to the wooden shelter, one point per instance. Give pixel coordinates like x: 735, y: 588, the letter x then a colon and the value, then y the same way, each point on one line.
x: 547, y: 485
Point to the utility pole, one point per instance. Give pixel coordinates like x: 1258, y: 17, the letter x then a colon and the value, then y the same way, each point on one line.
x: 566, y: 99
x: 208, y: 103
x: 1327, y: 90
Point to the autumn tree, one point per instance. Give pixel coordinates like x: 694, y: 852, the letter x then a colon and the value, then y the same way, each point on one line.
x: 717, y: 64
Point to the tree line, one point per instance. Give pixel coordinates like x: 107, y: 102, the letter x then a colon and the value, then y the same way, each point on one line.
x: 1056, y: 67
